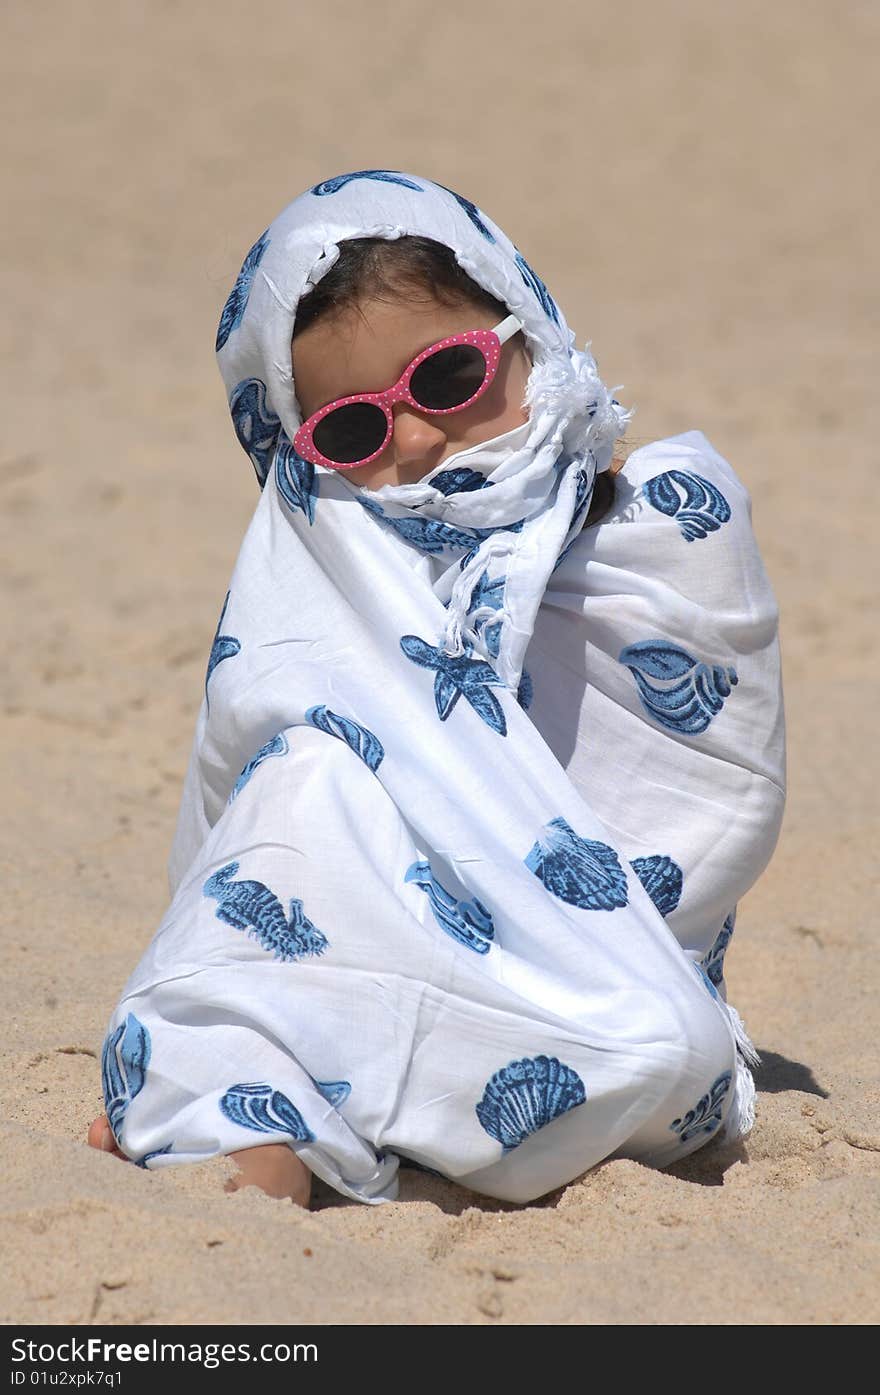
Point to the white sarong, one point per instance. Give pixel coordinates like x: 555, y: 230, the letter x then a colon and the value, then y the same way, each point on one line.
x: 474, y: 791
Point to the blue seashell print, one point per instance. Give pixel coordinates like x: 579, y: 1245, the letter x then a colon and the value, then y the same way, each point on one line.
x: 251, y: 906
x: 526, y: 691
x: 697, y: 505
x: 460, y: 676
x: 471, y: 210
x: 578, y: 870
x: 535, y: 283
x: 156, y: 1153
x: 461, y: 480
x: 224, y: 646
x: 468, y: 922
x: 296, y: 479
x: 704, y: 979
x: 339, y: 181
x: 233, y: 310
x: 124, y: 1060
x: 256, y: 425
x: 583, y: 494
x: 361, y: 741
x: 706, y: 1113
x: 428, y: 534
x: 662, y: 878
x: 713, y: 962
x: 276, y: 747
x: 259, y: 1107
x: 335, y: 1092
x: 525, y: 1096
x: 686, y: 693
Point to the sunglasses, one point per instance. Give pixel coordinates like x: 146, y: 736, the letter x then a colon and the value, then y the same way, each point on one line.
x: 446, y: 377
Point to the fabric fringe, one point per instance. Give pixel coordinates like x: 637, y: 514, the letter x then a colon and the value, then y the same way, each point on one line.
x: 744, y: 1044
x: 741, y: 1115
x: 456, y: 629
x: 569, y: 391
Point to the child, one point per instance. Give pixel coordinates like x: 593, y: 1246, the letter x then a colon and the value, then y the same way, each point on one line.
x: 491, y: 745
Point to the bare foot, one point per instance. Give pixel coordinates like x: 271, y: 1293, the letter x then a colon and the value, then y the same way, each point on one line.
x: 274, y: 1167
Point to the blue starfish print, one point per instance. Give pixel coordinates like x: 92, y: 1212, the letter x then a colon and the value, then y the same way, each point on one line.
x: 224, y: 646
x: 459, y: 677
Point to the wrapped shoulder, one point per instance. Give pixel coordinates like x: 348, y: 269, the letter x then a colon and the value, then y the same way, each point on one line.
x: 685, y: 479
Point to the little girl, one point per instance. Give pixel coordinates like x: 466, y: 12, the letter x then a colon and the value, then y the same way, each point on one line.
x: 491, y: 744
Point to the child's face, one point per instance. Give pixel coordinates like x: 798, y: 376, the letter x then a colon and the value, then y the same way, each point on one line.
x: 349, y: 354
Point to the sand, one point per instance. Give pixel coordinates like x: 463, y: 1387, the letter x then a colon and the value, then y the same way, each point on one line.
x: 695, y: 184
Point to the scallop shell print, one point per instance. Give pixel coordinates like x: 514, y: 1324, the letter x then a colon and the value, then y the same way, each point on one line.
x: 706, y: 1113
x: 697, y: 505
x: 233, y: 310
x: 361, y: 741
x: 276, y: 747
x: 662, y: 879
x: 252, y: 907
x: 524, y: 1096
x: 124, y: 1060
x: 468, y: 922
x: 256, y: 425
x: 677, y: 690
x: 259, y: 1107
x: 578, y: 870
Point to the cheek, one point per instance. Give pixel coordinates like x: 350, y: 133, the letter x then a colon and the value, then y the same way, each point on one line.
x: 497, y: 411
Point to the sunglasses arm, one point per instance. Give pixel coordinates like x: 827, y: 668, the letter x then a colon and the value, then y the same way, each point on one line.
x: 507, y: 328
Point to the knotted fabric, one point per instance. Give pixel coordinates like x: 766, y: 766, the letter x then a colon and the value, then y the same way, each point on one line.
x: 474, y: 789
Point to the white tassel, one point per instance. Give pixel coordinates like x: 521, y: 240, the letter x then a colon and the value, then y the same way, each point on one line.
x: 741, y: 1115
x: 744, y: 1043
x: 571, y: 390
x: 463, y: 590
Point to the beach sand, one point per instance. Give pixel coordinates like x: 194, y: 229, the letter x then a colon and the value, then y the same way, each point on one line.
x: 695, y: 184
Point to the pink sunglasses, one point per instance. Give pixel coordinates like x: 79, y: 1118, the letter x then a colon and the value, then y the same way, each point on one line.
x: 444, y: 378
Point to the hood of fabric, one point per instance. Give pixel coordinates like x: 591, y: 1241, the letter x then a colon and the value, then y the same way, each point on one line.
x: 537, y: 480
x: 302, y: 245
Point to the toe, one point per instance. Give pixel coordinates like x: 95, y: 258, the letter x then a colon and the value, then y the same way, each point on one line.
x: 100, y: 1135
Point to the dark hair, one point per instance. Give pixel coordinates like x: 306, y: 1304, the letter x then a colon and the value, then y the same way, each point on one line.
x: 381, y: 268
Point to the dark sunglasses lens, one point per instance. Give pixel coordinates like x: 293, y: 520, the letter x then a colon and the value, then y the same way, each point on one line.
x: 351, y: 433
x: 449, y: 377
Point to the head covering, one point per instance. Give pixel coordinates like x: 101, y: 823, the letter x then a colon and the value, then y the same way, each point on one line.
x: 540, y: 491
x: 474, y: 791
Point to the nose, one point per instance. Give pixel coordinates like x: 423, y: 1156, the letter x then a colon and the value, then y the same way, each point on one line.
x: 415, y: 438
